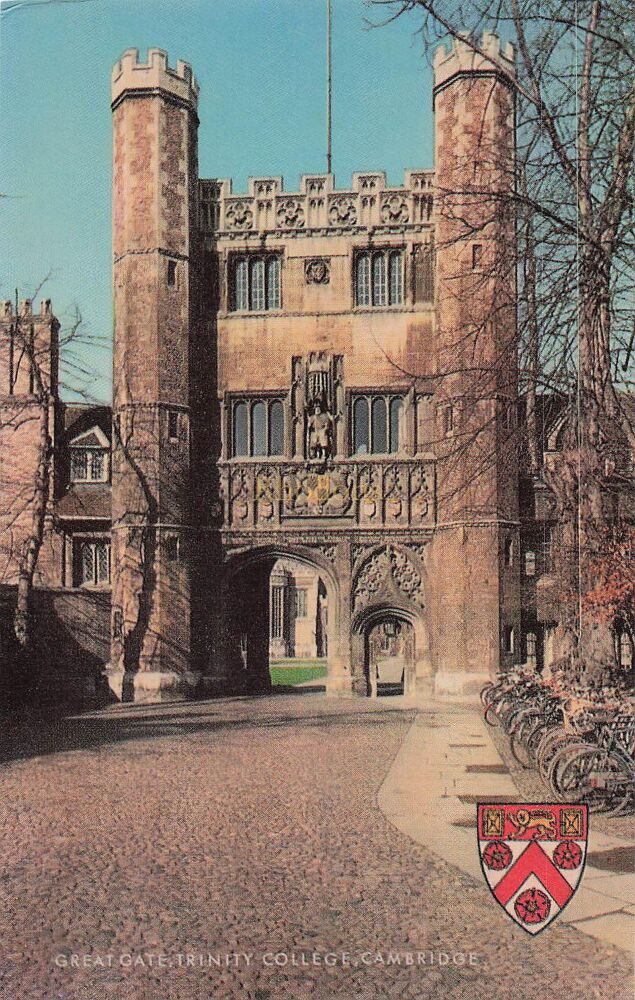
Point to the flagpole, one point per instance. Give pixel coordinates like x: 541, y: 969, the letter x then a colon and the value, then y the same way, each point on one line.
x: 329, y: 87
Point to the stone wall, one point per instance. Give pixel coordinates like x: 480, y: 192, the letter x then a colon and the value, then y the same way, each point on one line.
x: 71, y: 644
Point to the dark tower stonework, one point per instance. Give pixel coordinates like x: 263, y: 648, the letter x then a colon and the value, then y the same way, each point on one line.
x: 476, y: 547
x: 155, y: 204
x: 23, y: 337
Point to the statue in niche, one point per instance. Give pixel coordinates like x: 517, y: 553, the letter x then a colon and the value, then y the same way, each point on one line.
x: 320, y: 431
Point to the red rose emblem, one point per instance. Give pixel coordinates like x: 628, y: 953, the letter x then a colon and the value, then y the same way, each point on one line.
x: 497, y: 855
x: 532, y: 906
x: 567, y: 855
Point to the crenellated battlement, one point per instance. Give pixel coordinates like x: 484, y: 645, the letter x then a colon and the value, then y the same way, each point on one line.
x: 130, y: 74
x: 462, y: 58
x: 318, y: 204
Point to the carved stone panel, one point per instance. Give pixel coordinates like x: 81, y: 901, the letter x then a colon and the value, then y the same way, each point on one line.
x: 387, y: 574
x: 396, y: 494
x: 238, y: 215
x: 240, y: 496
x: 394, y: 209
x: 343, y: 212
x: 290, y: 213
x: 317, y: 494
x: 317, y: 271
x: 369, y: 494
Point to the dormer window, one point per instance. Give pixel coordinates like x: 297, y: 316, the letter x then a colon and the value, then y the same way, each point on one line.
x: 87, y: 465
x: 89, y: 454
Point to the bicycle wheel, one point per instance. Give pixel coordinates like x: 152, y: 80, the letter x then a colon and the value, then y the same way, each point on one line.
x: 553, y: 740
x: 512, y: 713
x: 561, y: 759
x: 486, y: 693
x: 492, y: 716
x: 535, y: 737
x: 520, y: 742
x: 602, y: 779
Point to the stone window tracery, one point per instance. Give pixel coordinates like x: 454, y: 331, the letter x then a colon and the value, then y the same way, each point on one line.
x: 377, y: 424
x: 254, y: 281
x: 379, y: 278
x: 257, y: 427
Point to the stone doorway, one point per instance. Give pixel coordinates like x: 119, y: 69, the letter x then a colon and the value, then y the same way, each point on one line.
x: 390, y: 656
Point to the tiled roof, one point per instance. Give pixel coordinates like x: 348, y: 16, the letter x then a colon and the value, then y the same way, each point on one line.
x: 85, y: 500
x: 81, y: 417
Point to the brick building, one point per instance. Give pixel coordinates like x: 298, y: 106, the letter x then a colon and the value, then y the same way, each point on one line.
x: 294, y: 380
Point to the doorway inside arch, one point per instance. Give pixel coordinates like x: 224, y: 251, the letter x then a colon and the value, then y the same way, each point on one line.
x: 390, y: 656
x: 278, y: 626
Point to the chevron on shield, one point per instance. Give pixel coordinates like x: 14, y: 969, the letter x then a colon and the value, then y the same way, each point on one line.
x: 532, y: 856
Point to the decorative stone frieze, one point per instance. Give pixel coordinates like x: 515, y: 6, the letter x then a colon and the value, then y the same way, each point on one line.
x: 373, y: 494
x: 369, y: 203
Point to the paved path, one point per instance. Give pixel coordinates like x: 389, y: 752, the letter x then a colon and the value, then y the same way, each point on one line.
x: 136, y: 842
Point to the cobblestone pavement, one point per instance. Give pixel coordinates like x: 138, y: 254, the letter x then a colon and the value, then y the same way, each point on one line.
x: 137, y: 835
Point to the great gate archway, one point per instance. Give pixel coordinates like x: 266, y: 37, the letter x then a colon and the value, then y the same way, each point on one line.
x: 250, y: 605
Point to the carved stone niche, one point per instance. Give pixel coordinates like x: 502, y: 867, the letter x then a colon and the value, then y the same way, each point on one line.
x: 318, y: 406
x: 317, y: 271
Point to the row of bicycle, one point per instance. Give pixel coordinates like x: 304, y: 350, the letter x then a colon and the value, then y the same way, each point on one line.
x: 581, y: 743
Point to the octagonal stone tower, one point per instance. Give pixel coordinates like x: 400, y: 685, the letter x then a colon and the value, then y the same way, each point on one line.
x: 477, y: 378
x: 155, y: 176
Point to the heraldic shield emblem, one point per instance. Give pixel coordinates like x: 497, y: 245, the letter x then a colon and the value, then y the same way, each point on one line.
x: 532, y: 857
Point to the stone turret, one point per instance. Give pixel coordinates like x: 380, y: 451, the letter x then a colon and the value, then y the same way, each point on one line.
x: 155, y: 206
x: 476, y: 360
x: 462, y: 60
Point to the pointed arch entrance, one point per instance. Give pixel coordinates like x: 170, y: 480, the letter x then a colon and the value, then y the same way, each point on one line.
x: 392, y: 641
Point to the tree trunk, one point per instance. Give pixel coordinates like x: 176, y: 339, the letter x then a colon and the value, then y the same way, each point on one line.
x: 33, y: 543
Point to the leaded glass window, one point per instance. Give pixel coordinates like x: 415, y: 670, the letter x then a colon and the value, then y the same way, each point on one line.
x: 377, y: 424
x: 257, y: 280
x: 276, y: 428
x: 254, y: 281
x: 379, y: 278
x: 88, y: 465
x: 93, y: 563
x: 240, y: 438
x: 257, y: 427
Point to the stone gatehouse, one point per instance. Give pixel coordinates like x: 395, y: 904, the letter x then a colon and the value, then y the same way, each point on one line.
x: 294, y: 379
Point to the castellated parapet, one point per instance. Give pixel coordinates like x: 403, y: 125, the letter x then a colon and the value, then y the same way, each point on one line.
x: 152, y: 76
x: 462, y: 58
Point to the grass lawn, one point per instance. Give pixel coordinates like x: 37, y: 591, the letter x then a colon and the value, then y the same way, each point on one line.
x: 285, y: 672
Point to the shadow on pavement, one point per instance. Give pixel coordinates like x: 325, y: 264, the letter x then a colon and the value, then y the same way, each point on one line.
x: 35, y: 734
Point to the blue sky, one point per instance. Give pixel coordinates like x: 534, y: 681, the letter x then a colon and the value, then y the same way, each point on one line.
x: 260, y: 65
